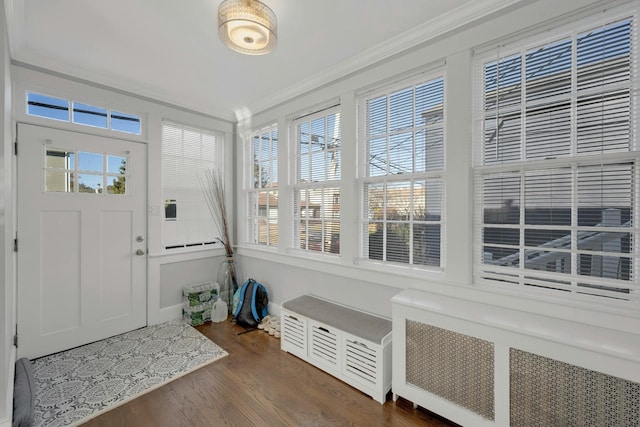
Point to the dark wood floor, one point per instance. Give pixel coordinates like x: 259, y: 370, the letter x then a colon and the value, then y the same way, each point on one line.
x: 260, y: 385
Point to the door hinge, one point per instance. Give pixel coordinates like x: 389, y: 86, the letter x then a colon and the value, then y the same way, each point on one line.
x: 15, y: 245
x: 15, y: 147
x: 15, y: 340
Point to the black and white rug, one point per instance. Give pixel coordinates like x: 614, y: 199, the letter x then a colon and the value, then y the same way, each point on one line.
x: 76, y: 385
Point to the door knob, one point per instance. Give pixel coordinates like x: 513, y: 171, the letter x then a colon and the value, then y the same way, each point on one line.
x: 139, y: 252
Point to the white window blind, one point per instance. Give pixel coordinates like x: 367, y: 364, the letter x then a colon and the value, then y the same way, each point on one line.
x: 316, y: 192
x: 401, y: 174
x: 263, y: 192
x: 556, y: 164
x: 186, y: 153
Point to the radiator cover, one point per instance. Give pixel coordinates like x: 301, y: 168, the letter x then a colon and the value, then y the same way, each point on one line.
x: 546, y: 392
x: 456, y: 367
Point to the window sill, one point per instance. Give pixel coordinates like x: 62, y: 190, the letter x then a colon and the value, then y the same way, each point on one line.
x: 195, y: 252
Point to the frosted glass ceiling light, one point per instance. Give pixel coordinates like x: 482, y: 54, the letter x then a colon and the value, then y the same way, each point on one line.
x: 247, y: 26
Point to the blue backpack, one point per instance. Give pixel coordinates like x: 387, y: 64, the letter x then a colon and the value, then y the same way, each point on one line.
x: 252, y: 304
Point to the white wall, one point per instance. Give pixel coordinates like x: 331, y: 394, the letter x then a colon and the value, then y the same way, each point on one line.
x: 347, y: 281
x: 7, y: 259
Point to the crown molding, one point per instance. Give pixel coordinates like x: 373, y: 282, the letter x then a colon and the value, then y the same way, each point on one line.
x: 426, y: 31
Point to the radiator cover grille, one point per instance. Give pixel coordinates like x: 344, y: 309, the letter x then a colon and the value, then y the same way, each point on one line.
x: 456, y: 367
x: 546, y: 392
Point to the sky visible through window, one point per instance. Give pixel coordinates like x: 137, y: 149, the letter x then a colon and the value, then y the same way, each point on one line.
x: 83, y: 114
x: 91, y: 166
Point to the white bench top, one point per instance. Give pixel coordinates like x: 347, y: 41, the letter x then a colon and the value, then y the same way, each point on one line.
x: 352, y: 321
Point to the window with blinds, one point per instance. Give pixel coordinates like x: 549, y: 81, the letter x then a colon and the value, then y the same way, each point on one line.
x: 316, y: 192
x: 263, y: 192
x: 401, y: 174
x: 186, y: 153
x: 556, y: 164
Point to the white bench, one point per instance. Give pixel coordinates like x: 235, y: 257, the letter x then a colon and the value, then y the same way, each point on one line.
x: 349, y: 344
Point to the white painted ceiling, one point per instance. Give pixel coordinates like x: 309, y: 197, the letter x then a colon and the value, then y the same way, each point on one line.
x: 169, y: 50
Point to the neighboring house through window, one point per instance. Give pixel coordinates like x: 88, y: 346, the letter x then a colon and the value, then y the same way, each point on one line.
x: 556, y: 163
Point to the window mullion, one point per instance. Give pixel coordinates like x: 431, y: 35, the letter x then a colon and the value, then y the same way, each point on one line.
x: 523, y: 208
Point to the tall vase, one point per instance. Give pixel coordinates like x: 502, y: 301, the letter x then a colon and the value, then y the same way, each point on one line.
x: 229, y: 278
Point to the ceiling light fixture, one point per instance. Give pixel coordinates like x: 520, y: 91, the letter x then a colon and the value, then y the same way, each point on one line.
x: 247, y: 26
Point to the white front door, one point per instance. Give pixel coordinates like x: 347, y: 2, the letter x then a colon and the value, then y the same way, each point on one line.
x: 81, y: 238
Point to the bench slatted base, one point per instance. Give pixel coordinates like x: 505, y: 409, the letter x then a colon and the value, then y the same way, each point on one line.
x: 351, y: 345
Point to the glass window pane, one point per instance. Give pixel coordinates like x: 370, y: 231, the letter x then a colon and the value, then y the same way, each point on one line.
x: 430, y: 103
x: 401, y: 110
x: 398, y: 202
x: 59, y: 182
x: 557, y: 262
x: 501, y: 236
x: 118, y: 185
x: 117, y: 164
x: 90, y: 183
x: 60, y: 159
x: 378, y: 157
x: 548, y: 197
x: 304, y: 138
x: 397, y: 243
x: 501, y: 199
x: 377, y: 116
x: 127, y: 123
x: 47, y: 106
x: 605, y: 195
x: 89, y: 115
x: 401, y: 153
x: 505, y: 257
x: 426, y: 244
x: 332, y: 237
x: 549, y: 70
x: 90, y: 162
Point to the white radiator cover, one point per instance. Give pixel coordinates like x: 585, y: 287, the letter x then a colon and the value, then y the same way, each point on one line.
x: 483, y: 365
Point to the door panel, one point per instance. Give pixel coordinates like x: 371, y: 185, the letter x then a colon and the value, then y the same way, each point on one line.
x: 81, y: 205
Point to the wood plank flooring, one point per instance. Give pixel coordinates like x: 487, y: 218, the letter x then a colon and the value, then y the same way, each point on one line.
x: 260, y: 385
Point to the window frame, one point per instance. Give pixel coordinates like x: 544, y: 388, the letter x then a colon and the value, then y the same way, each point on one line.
x: 428, y: 174
x: 522, y: 280
x: 203, y: 213
x: 71, y: 114
x: 296, y: 188
x: 253, y: 193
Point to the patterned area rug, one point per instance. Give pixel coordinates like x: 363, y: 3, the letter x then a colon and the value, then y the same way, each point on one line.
x: 76, y: 385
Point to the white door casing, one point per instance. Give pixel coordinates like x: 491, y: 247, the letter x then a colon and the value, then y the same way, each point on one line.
x: 81, y: 242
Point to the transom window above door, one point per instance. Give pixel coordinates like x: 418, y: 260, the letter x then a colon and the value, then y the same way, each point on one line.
x: 65, y: 110
x: 84, y: 172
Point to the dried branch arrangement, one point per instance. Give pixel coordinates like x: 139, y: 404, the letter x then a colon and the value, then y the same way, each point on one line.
x: 213, y: 188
